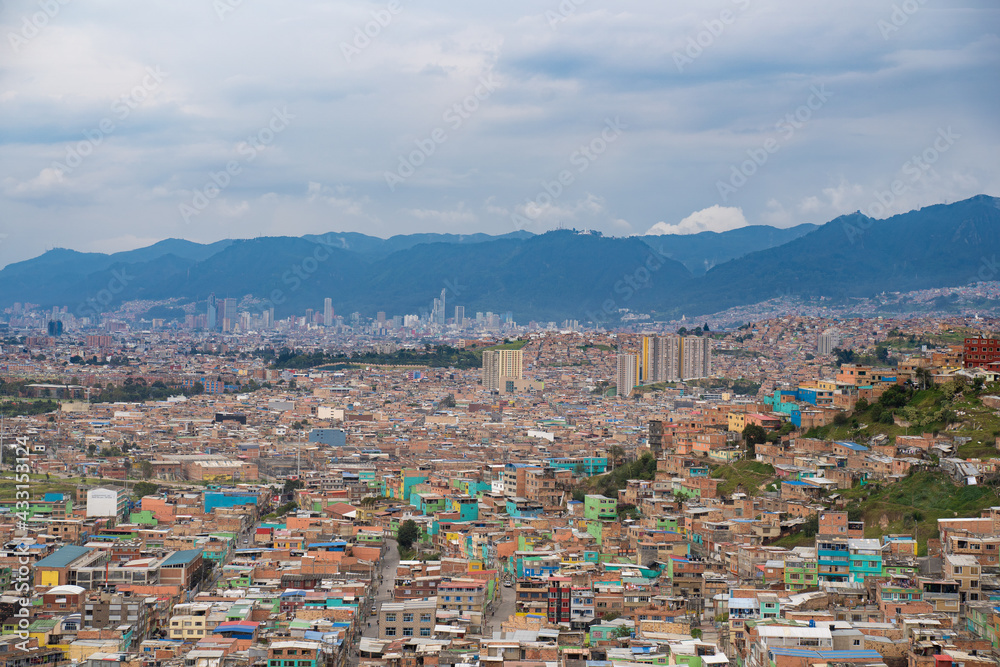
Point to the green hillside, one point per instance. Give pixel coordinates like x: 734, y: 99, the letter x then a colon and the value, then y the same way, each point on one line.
x: 746, y: 476
x: 955, y: 408
x: 916, y: 503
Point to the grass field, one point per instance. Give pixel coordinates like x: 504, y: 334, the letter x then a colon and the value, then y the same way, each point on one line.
x: 750, y: 475
x: 915, y: 503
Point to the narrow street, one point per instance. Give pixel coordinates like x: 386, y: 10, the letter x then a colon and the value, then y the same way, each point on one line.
x: 384, y: 582
x: 501, y: 612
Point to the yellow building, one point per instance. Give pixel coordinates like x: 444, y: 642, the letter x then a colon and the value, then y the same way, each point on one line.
x: 737, y: 421
x: 191, y: 626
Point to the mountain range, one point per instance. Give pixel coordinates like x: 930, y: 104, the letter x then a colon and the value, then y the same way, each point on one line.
x: 551, y: 276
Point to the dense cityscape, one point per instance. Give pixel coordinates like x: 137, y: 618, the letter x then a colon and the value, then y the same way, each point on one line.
x: 517, y: 334
x: 469, y: 491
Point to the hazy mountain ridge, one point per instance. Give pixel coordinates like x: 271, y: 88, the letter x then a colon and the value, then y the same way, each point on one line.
x: 705, y: 250
x: 552, y: 276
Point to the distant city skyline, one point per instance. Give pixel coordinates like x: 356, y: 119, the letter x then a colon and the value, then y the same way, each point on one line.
x: 468, y: 118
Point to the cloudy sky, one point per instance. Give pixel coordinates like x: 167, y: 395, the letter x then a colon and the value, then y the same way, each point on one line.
x: 124, y: 123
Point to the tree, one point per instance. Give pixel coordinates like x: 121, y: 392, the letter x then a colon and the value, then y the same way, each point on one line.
x: 923, y: 376
x: 896, y: 396
x: 811, y: 526
x: 843, y: 356
x: 753, y: 435
x: 882, y: 354
x: 616, y: 453
x: 142, y: 489
x: 146, y: 469
x: 408, y: 533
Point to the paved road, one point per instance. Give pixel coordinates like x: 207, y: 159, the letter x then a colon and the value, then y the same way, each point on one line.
x: 501, y: 612
x: 387, y: 572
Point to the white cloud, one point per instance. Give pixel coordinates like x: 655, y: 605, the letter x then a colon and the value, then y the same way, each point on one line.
x: 353, y: 120
x: 236, y: 210
x: 712, y: 219
x: 41, y: 185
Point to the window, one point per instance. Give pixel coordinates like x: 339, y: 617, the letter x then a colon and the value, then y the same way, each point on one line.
x: 390, y: 618
x: 390, y: 632
x: 425, y: 632
x: 857, y: 642
x: 407, y: 632
x: 407, y: 618
x: 425, y: 618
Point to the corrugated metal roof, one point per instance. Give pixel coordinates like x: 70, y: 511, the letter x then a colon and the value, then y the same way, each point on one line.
x: 181, y: 557
x: 63, y: 557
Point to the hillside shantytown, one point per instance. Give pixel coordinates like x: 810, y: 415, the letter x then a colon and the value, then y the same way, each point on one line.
x: 789, y: 492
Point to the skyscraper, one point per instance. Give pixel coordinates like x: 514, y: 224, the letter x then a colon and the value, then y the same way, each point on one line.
x: 211, y: 311
x: 661, y: 359
x: 827, y: 341
x: 627, y: 380
x: 328, y: 312
x: 228, y: 314
x: 459, y: 315
x: 500, y: 366
x: 672, y: 358
x: 696, y: 357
